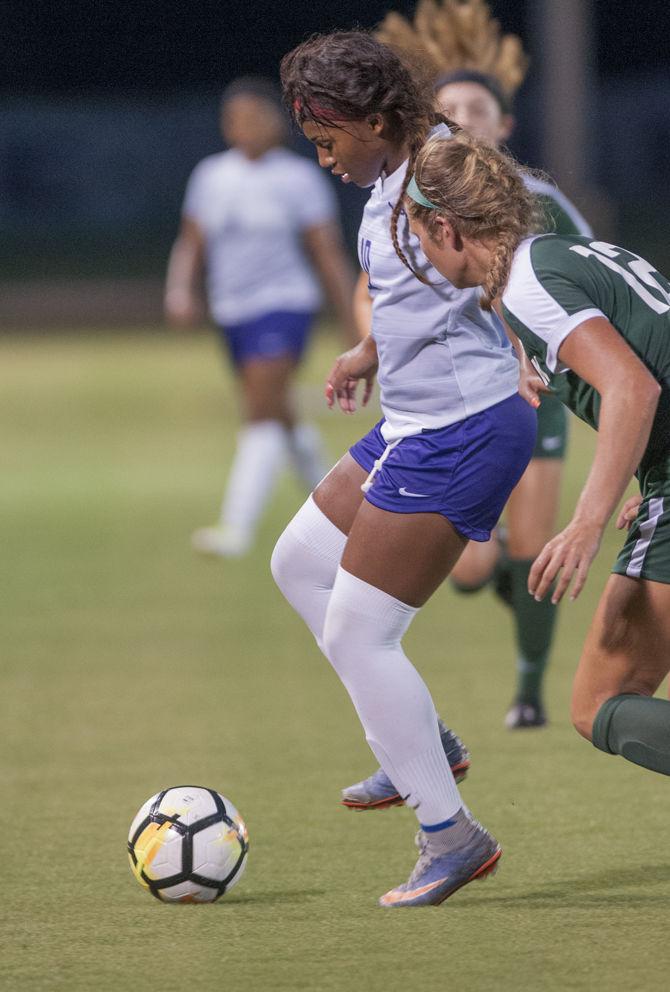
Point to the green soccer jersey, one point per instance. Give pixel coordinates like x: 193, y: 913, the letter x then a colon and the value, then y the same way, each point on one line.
x: 562, y: 215
x: 557, y: 283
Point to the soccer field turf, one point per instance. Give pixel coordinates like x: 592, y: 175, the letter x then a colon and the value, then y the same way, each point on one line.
x: 129, y: 665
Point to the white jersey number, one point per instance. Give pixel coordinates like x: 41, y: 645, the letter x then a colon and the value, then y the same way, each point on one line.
x: 637, y: 272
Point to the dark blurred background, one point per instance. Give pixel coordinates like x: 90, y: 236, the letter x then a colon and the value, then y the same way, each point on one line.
x: 106, y: 108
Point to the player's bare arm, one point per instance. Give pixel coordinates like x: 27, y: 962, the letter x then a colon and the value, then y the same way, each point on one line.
x: 184, y: 297
x: 362, y: 306
x: 324, y: 245
x: 599, y: 355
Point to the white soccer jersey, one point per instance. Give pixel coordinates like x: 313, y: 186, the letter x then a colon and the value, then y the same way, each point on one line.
x: 253, y: 214
x: 441, y: 358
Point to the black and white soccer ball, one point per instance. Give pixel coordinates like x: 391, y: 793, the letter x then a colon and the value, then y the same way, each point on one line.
x: 188, y: 844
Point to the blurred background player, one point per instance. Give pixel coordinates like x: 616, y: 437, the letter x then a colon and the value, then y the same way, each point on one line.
x: 261, y: 222
x: 477, y: 73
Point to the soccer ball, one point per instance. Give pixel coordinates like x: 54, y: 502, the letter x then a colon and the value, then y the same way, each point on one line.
x: 188, y: 844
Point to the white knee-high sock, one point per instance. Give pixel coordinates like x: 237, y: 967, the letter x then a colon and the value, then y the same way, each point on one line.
x: 305, y: 562
x: 362, y: 634
x: 260, y: 454
x: 308, y: 454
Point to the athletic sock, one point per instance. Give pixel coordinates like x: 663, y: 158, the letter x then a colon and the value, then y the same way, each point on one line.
x: 362, y: 639
x: 455, y: 833
x: 534, y: 632
x: 501, y: 580
x: 637, y: 728
x: 260, y: 454
x: 304, y: 564
x: 308, y: 454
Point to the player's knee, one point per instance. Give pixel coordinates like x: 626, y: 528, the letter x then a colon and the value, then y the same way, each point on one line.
x: 582, y: 719
x: 586, y: 703
x: 282, y: 562
x: 467, y: 588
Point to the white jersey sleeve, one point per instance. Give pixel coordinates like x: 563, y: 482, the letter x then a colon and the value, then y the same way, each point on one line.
x: 542, y: 297
x: 197, y: 197
x: 314, y: 200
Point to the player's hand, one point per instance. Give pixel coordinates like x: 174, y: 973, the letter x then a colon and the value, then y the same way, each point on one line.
x: 342, y: 382
x: 532, y: 386
x: 565, y: 558
x: 628, y: 512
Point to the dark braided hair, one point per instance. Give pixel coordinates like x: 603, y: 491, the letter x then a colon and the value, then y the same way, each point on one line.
x: 348, y: 76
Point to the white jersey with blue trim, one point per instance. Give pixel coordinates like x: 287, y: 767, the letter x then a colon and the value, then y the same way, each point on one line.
x: 441, y: 358
x: 253, y: 214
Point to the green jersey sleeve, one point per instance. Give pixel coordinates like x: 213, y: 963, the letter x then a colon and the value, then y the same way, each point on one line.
x: 547, y: 297
x: 562, y: 215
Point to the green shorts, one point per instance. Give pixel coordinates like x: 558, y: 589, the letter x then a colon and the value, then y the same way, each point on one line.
x: 552, y: 428
x: 646, y: 553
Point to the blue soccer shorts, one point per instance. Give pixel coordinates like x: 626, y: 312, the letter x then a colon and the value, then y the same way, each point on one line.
x: 465, y: 471
x: 273, y: 335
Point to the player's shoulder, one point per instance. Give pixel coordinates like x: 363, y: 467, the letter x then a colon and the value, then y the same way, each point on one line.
x: 295, y: 163
x: 538, y: 260
x: 542, y: 187
x: 212, y: 166
x: 297, y: 175
x: 554, y: 254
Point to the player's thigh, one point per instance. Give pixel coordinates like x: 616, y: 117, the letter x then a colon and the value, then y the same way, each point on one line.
x: 532, y: 509
x: 407, y: 555
x: 627, y: 649
x: 339, y: 495
x: 266, y: 387
x: 475, y: 566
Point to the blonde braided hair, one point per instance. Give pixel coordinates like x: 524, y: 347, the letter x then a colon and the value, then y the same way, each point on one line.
x: 481, y: 191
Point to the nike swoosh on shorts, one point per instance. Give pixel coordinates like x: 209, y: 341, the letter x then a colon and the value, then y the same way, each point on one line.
x: 403, y: 492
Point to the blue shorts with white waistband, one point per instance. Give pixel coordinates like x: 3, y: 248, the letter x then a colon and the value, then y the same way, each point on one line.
x: 465, y: 471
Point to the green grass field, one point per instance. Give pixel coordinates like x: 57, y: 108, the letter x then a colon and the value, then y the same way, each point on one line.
x: 129, y: 665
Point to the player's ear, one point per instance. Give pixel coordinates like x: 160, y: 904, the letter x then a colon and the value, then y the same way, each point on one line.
x: 447, y: 234
x: 443, y: 229
x: 376, y: 123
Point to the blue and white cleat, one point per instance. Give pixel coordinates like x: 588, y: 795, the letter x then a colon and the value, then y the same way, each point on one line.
x: 437, y: 876
x: 379, y: 792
